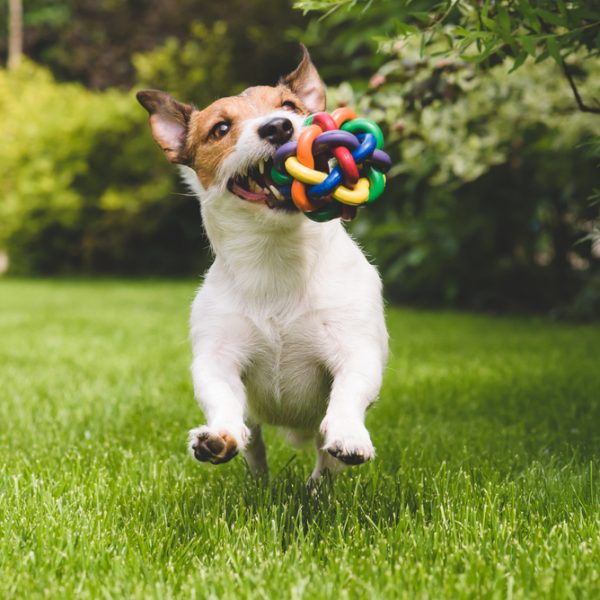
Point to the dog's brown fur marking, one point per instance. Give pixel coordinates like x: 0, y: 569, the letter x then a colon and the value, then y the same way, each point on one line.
x: 184, y: 132
x: 209, y: 152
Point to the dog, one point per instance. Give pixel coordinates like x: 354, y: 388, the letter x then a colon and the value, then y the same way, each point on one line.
x: 288, y: 326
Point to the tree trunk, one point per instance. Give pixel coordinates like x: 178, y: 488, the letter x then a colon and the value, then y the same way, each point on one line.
x: 15, y: 33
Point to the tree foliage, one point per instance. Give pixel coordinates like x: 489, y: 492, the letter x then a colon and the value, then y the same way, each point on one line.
x: 493, y: 200
x: 478, y: 31
x: 496, y: 164
x: 489, y: 194
x: 94, y: 41
x: 198, y: 68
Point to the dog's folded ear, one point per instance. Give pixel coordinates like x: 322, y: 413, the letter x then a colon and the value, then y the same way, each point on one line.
x: 305, y: 82
x: 169, y: 123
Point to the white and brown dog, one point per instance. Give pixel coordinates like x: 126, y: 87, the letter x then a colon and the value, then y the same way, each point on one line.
x: 288, y: 326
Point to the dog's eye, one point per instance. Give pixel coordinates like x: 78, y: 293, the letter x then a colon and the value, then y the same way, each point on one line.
x: 220, y: 130
x: 289, y: 105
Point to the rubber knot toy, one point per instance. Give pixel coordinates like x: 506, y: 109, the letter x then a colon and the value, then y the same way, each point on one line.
x: 336, y: 165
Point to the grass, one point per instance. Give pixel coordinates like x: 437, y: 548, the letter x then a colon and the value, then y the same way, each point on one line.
x: 486, y: 483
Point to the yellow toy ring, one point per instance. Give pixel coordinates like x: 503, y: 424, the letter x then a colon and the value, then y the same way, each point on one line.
x: 298, y: 171
x: 359, y: 195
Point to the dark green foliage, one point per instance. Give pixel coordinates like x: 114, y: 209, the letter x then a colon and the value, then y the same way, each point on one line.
x: 485, y: 32
x: 86, y: 189
x: 114, y: 241
x: 94, y: 41
x: 197, y: 69
x: 492, y: 184
x: 490, y: 205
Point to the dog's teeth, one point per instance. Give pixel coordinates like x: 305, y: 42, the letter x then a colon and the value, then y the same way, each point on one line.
x: 261, y: 166
x: 254, y: 187
x: 276, y: 193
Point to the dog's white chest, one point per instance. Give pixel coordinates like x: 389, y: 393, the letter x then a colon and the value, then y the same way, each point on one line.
x: 286, y: 381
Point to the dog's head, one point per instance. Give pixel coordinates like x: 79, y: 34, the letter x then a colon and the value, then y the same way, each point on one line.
x: 230, y: 144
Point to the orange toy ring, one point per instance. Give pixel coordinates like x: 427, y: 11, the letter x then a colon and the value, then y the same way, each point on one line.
x: 305, y: 156
x: 343, y: 114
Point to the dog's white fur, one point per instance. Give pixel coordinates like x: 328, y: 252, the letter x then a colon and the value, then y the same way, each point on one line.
x: 288, y: 327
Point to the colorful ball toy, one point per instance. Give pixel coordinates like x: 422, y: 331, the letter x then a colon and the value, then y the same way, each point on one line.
x: 336, y: 165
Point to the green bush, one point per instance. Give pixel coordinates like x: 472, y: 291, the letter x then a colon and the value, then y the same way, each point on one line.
x: 488, y: 205
x: 83, y: 186
x: 198, y: 69
x: 489, y: 199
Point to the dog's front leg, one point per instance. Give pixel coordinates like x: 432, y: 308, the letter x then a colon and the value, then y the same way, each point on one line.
x: 220, y: 392
x: 222, y: 346
x: 357, y: 369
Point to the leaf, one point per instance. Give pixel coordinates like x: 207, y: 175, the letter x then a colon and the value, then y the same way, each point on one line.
x: 449, y: 39
x: 550, y: 17
x: 553, y: 50
x: 459, y: 31
x: 519, y: 60
x: 489, y: 23
x: 528, y: 44
x: 422, y: 44
x: 403, y: 28
x: 504, y: 20
x: 562, y: 9
x: 424, y: 17
x: 542, y: 56
x: 530, y: 19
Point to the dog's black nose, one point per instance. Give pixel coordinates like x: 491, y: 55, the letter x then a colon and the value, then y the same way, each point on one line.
x: 277, y: 131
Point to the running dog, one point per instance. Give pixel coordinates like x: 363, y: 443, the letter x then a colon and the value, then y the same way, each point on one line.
x: 288, y: 327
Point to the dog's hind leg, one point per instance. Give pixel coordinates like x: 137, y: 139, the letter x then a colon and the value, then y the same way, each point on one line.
x: 255, y: 453
x: 327, y: 465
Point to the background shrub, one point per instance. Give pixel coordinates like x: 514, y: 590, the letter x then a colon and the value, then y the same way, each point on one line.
x: 493, y: 202
x: 84, y: 189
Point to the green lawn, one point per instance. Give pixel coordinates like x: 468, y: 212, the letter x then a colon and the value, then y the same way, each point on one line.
x: 486, y: 482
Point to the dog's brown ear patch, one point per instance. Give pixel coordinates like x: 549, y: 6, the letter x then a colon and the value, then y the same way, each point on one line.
x: 305, y: 82
x: 169, y: 122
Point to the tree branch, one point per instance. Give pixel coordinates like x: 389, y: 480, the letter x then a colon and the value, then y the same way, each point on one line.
x: 15, y: 33
x: 582, y: 106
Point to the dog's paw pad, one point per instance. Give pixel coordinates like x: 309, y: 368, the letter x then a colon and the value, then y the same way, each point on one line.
x: 348, y: 442
x: 213, y: 447
x: 356, y: 456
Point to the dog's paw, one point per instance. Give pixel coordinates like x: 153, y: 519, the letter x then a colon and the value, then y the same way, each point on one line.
x: 214, y: 446
x: 348, y: 442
